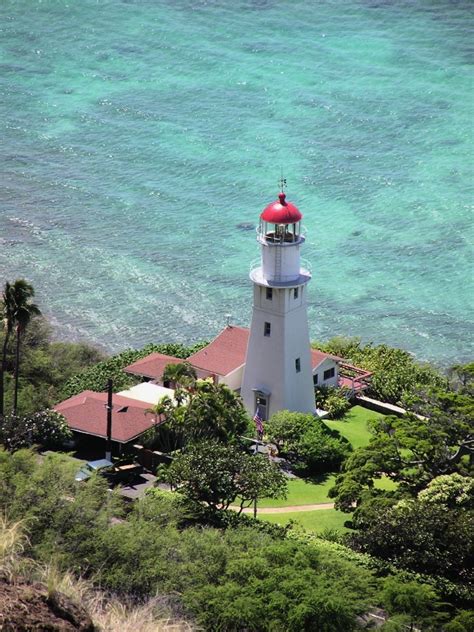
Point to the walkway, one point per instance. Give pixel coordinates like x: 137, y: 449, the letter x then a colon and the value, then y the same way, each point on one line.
x: 282, y: 510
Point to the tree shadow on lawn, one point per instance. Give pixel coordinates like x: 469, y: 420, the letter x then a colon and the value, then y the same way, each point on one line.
x: 316, y: 479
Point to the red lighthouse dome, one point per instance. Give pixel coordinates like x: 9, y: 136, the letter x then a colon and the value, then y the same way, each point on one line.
x: 281, y: 212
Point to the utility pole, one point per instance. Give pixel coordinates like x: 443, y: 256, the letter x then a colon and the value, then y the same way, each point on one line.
x: 108, y: 443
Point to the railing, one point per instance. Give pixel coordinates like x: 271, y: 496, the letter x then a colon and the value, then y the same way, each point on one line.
x: 303, y: 232
x: 305, y: 269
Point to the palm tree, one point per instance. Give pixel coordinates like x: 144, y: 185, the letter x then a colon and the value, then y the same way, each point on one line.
x: 181, y: 374
x: 23, y: 310
x: 8, y: 317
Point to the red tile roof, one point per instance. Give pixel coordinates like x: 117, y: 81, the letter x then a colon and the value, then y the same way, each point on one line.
x: 319, y: 356
x: 225, y: 353
x: 86, y: 413
x: 152, y: 365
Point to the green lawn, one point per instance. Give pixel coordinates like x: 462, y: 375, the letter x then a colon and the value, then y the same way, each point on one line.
x: 301, y: 492
x: 385, y: 483
x: 315, y: 521
x: 353, y: 426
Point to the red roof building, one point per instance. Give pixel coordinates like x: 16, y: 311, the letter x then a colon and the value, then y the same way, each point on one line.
x: 223, y: 356
x: 152, y: 366
x: 225, y: 353
x: 87, y: 413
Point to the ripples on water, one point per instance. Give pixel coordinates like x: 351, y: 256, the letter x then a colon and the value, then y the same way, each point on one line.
x: 140, y: 141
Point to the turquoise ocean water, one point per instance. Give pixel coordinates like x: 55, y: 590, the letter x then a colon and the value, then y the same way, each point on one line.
x: 141, y: 140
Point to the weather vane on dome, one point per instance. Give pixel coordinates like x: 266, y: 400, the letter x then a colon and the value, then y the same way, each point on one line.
x: 282, y: 182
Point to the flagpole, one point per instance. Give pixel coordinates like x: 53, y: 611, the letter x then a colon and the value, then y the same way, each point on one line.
x: 259, y: 429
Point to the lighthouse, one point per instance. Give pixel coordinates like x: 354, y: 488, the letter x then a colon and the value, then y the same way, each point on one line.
x: 278, y: 372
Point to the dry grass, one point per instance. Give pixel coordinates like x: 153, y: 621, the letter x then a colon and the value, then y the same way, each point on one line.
x: 13, y: 541
x: 108, y: 613
x: 112, y: 615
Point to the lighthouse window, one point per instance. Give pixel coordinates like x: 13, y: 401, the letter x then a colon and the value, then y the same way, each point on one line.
x: 298, y: 365
x: 269, y: 293
x: 266, y: 330
x: 329, y: 374
x: 296, y: 292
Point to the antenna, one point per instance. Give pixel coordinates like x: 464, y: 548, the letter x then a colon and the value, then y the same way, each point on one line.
x: 282, y: 181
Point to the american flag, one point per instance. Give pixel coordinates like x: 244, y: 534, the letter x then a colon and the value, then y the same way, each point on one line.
x: 258, y: 421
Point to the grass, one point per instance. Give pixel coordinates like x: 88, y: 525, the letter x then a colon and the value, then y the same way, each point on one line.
x: 353, y: 426
x: 302, y: 492
x: 385, y: 483
x: 315, y: 521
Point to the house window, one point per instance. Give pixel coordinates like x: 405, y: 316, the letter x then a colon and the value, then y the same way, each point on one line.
x: 296, y: 292
x: 329, y: 373
x: 266, y: 330
x: 298, y: 365
x: 269, y: 293
x: 315, y: 379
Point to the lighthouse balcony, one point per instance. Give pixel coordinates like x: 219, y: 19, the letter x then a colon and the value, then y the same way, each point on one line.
x: 257, y: 275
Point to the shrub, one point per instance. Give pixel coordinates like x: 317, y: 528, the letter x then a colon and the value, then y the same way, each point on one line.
x: 307, y: 442
x: 46, y: 428
x: 95, y: 378
x: 333, y: 400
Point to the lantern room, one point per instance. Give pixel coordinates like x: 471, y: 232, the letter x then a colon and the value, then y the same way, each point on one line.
x: 280, y: 222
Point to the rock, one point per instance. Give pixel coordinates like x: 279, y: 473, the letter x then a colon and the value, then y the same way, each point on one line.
x: 28, y: 608
x: 246, y: 226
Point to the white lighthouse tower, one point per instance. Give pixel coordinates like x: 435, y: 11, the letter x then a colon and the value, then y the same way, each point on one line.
x: 278, y: 373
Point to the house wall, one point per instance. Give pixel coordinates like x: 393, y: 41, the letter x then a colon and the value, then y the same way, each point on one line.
x: 234, y: 379
x: 324, y: 366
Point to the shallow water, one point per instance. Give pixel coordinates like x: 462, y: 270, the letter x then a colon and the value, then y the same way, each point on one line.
x: 141, y: 140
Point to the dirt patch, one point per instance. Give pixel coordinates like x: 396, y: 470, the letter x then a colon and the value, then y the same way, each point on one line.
x: 29, y: 608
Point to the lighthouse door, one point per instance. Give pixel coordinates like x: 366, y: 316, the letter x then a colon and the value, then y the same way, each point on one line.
x: 261, y: 404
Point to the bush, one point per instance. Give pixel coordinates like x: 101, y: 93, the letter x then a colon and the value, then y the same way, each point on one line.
x: 333, y: 400
x: 395, y: 372
x: 307, y: 442
x: 46, y: 428
x: 95, y: 378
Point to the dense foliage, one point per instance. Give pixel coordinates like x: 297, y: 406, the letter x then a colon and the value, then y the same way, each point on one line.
x: 332, y: 400
x: 95, y: 378
x: 422, y: 537
x: 411, y: 451
x: 227, y: 579
x: 201, y: 410
x: 45, y: 367
x: 46, y: 428
x: 395, y: 372
x: 220, y: 475
x: 425, y: 522
x: 306, y: 442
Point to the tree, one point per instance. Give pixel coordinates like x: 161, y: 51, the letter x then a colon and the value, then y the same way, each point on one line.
x: 8, y: 317
x: 418, y: 601
x: 307, y: 442
x: 449, y: 491
x: 420, y: 536
x: 332, y: 400
x: 410, y: 451
x: 395, y: 371
x: 19, y: 297
x: 46, y: 428
x: 182, y: 374
x: 207, y: 410
x: 219, y: 474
